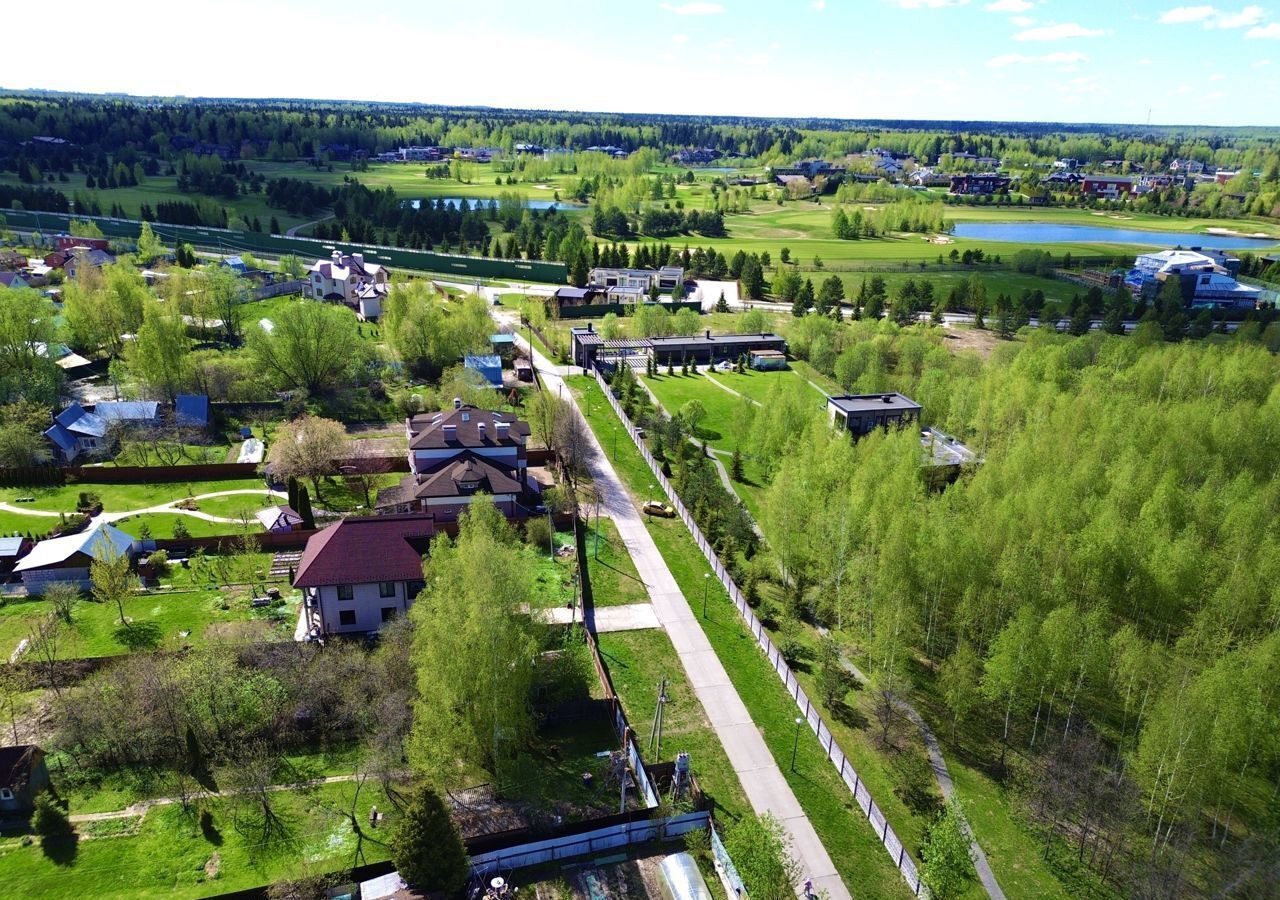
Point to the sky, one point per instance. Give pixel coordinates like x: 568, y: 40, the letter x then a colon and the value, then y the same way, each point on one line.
x: 1002, y: 60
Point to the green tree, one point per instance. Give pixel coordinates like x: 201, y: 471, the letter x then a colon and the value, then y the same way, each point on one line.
x: 303, y: 509
x: 947, y: 864
x: 149, y: 246
x: 112, y: 578
x: 692, y: 414
x: 50, y: 821
x: 761, y: 852
x: 427, y: 847
x: 473, y: 651
x: 313, y: 346
x: 307, y: 448
x: 160, y: 354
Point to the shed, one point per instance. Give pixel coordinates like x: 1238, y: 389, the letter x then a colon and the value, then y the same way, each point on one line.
x: 489, y: 367
x: 68, y: 558
x: 765, y: 360
x: 22, y: 776
x: 504, y: 345
x: 12, y: 549
x: 191, y: 410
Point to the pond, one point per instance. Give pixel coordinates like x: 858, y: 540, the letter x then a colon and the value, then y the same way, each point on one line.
x: 484, y: 201
x: 1048, y: 233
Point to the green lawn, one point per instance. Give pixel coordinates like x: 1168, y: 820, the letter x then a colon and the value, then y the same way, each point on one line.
x: 614, y: 580
x: 722, y: 407
x: 637, y: 661
x: 170, y: 855
x: 122, y: 497
x: 553, y: 575
x: 163, y: 524
x: 862, y: 862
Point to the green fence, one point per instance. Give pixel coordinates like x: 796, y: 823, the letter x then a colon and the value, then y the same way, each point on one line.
x: 600, y: 310
x: 226, y: 241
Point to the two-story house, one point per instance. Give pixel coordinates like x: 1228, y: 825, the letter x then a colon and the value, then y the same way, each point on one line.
x: 349, y: 280
x: 361, y: 573
x: 457, y: 455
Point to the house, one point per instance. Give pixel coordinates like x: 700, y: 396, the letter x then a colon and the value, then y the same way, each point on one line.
x: 1106, y: 186
x: 639, y: 280
x: 71, y: 259
x: 700, y: 156
x: 348, y: 279
x: 1207, y: 278
x: 12, y: 549
x: 235, y: 264
x: 488, y: 366
x: 809, y: 169
x: 277, y: 519
x: 361, y: 573
x: 68, y: 558
x: 23, y: 775
x: 983, y: 184
x: 12, y: 280
x: 68, y: 242
x: 77, y: 430
x: 706, y: 348
x: 1066, y: 164
x: 861, y: 414
x: 191, y: 411
x: 1187, y: 166
x: 460, y: 454
x: 575, y: 296
x: 12, y: 260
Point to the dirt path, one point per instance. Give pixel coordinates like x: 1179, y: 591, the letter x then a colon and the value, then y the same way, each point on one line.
x: 170, y: 507
x: 725, y: 387
x: 293, y: 232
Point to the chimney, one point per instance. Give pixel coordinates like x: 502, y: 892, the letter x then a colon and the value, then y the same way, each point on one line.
x: 590, y: 327
x: 451, y: 433
x: 336, y: 257
x: 888, y: 398
x: 708, y: 334
x: 457, y: 403
x: 480, y: 428
x: 502, y: 430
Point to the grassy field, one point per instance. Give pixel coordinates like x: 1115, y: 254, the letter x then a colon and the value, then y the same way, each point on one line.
x: 614, y: 579
x: 122, y: 497
x: 637, y: 661
x: 863, y: 864
x: 170, y: 854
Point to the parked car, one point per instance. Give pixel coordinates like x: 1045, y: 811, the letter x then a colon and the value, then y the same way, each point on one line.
x: 662, y: 510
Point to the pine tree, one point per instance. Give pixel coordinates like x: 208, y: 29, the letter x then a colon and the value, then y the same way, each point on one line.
x: 735, y: 466
x: 50, y: 821
x: 722, y: 305
x: 427, y: 846
x: 291, y: 486
x: 304, y: 508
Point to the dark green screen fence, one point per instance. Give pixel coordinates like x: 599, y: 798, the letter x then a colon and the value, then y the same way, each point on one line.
x: 231, y: 242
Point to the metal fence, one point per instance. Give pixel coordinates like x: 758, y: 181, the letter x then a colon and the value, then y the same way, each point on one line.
x: 897, y: 852
x: 728, y: 872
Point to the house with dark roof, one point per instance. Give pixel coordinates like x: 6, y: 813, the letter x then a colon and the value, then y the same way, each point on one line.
x: 23, y: 775
x: 361, y: 573
x: 72, y: 259
x: 861, y: 414
x: 348, y: 279
x: 12, y: 549
x: 461, y: 454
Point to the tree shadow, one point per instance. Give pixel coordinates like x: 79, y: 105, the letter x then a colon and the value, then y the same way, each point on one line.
x: 139, y: 636
x: 208, y: 829
x: 61, y: 850
x: 707, y: 434
x: 848, y: 715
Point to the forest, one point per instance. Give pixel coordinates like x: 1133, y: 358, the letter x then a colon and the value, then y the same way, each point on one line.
x: 1095, y: 602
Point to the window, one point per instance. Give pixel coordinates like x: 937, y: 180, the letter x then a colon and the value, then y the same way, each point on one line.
x: 347, y: 617
x: 386, y: 588
x: 6, y: 794
x: 414, y: 588
x: 345, y: 592
x: 388, y: 613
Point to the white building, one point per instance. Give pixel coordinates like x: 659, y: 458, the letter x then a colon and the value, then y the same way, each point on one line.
x: 640, y: 280
x: 1207, y: 278
x: 349, y: 280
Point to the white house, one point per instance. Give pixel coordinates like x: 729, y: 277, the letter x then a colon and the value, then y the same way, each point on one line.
x: 68, y: 558
x: 348, y: 279
x: 361, y: 573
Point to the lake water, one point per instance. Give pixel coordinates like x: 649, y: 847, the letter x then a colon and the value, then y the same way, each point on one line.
x: 1047, y: 233
x: 484, y: 201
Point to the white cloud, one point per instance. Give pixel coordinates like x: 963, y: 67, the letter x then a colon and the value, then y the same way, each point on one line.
x: 679, y: 38
x: 819, y: 5
x: 1022, y: 21
x: 1249, y: 16
x: 1009, y: 6
x: 721, y: 43
x: 694, y: 9
x: 1270, y: 30
x: 928, y: 4
x: 1260, y: 64
x: 1058, y: 32
x: 1145, y: 61
x: 1064, y: 58
x: 1217, y: 76
x: 1182, y: 14
x: 758, y: 59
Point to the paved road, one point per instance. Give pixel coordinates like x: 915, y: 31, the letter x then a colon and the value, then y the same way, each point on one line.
x: 293, y: 232
x: 766, y: 788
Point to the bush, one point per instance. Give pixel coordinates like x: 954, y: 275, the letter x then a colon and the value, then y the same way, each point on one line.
x: 538, y: 533
x: 50, y: 820
x: 427, y: 847
x: 160, y: 562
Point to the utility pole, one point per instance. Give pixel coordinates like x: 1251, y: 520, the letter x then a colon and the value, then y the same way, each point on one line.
x: 655, y: 735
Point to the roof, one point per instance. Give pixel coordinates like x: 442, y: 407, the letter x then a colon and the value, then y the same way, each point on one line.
x: 427, y: 429
x: 277, y: 516
x: 11, y: 546
x: 676, y: 341
x: 16, y: 763
x: 191, y: 409
x: 502, y: 339
x: 96, y: 542
x: 856, y: 403
x: 573, y: 293
x: 127, y: 410
x: 9, y: 279
x: 585, y: 336
x: 482, y: 361
x: 366, y: 549
x: 447, y: 479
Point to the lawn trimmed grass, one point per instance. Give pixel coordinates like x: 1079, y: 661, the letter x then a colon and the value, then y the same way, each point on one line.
x: 863, y: 863
x: 637, y: 661
x: 162, y: 525
x: 674, y: 391
x: 167, y: 857
x: 122, y: 497
x: 614, y: 579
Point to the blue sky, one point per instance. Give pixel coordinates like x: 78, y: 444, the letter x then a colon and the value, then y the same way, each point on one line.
x: 1089, y: 60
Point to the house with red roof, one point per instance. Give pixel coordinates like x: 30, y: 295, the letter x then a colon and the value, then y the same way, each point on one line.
x: 361, y: 573
x: 458, y: 455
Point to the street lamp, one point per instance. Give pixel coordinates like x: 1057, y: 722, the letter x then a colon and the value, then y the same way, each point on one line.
x: 795, y: 746
x: 706, y: 580
x: 615, y: 442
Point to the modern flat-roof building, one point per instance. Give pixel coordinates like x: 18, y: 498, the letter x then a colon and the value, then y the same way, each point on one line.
x: 1207, y: 278
x: 861, y: 414
x: 588, y: 348
x: 641, y: 280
